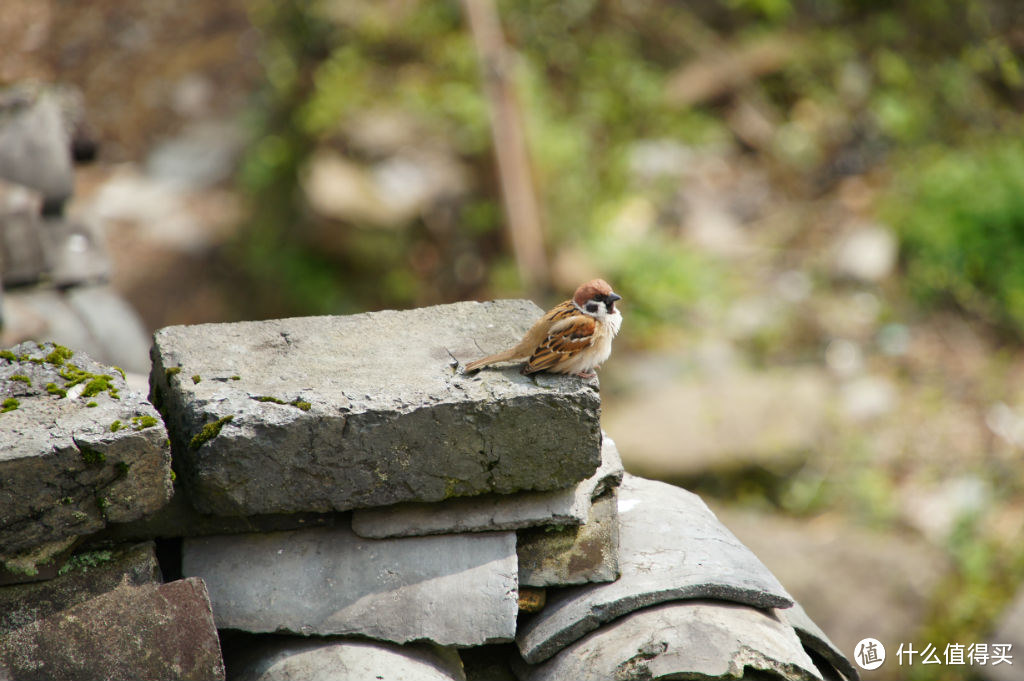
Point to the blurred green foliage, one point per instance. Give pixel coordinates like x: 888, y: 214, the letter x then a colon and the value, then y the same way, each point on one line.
x: 960, y: 214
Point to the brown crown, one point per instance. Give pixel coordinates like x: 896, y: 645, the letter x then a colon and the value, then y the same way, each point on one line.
x: 592, y: 288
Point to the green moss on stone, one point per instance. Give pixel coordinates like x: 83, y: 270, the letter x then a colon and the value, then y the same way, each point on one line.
x: 172, y: 371
x: 115, y: 426
x: 120, y: 371
x: 92, y: 456
x: 85, y: 561
x: 304, y: 406
x: 143, y: 422
x: 196, y: 378
x: 8, y: 355
x: 59, y: 355
x: 54, y: 390
x: 209, y: 431
x: 10, y: 404
x: 92, y: 404
x: 23, y: 378
x: 236, y: 377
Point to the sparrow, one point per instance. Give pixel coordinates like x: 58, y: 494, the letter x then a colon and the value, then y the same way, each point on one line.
x: 574, y: 337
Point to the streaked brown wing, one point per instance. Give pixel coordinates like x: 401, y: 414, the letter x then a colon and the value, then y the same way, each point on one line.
x: 567, y: 338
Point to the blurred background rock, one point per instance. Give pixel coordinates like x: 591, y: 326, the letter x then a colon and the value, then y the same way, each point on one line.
x: 813, y: 210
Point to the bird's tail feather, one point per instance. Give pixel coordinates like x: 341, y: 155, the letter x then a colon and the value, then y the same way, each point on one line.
x: 493, y: 359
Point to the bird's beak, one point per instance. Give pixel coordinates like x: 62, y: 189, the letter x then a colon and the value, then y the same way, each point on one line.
x: 612, y: 297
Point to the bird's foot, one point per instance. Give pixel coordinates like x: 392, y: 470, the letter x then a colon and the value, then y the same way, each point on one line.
x: 585, y: 374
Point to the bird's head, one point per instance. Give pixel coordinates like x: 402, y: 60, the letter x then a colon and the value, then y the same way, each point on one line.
x: 596, y: 297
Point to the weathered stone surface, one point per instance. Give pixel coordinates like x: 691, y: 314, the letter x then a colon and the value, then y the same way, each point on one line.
x: 179, y: 519
x: 86, y: 576
x: 815, y: 640
x: 66, y: 469
x: 451, y: 590
x: 154, y: 631
x: 389, y: 419
x: 554, y: 556
x: 684, y: 640
x: 488, y: 513
x: 22, y: 260
x: 35, y: 145
x: 670, y: 547
x: 291, y: 659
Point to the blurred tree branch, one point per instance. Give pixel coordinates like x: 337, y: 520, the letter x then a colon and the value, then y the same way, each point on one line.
x: 518, y: 193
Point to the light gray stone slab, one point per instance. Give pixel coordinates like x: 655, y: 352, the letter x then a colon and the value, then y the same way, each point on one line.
x: 153, y: 631
x: 560, y: 556
x: 684, y: 640
x: 456, y: 590
x: 35, y: 144
x: 66, y: 469
x: 342, y: 660
x: 490, y: 513
x: 74, y: 252
x: 390, y: 417
x: 814, y: 639
x: 670, y: 547
x: 85, y: 576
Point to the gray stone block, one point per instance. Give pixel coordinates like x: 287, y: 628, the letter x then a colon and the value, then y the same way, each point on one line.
x: 488, y: 513
x: 670, y: 547
x: 74, y: 252
x: 85, y: 576
x: 684, y: 640
x: 815, y: 640
x: 290, y: 659
x: 155, y: 631
x: 560, y: 556
x: 456, y: 590
x: 334, y: 413
x: 66, y: 469
x: 35, y: 143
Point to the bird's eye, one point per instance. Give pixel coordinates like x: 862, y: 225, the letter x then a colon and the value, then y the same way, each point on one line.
x: 599, y: 297
x: 591, y: 307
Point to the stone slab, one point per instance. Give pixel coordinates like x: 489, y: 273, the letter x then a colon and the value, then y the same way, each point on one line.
x: 386, y: 415
x: 74, y: 252
x: 289, y: 659
x: 85, y: 576
x: 66, y: 469
x: 35, y: 144
x: 815, y: 640
x: 561, y: 556
x: 684, y: 640
x: 489, y: 513
x: 155, y: 631
x: 670, y: 547
x: 455, y: 590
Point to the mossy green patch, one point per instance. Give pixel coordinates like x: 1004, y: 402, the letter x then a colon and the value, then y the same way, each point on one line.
x: 91, y: 456
x: 196, y: 378
x: 59, y: 355
x: 8, y: 355
x: 304, y: 406
x: 143, y: 422
x: 54, y: 390
x: 236, y: 377
x: 85, y: 561
x: 92, y: 404
x: 10, y: 404
x: 172, y: 371
x: 120, y: 371
x: 209, y: 431
x: 23, y: 378
x: 115, y: 426
x: 94, y: 383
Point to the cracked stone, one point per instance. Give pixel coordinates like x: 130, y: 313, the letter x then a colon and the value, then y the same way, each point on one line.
x: 67, y: 469
x: 334, y: 413
x: 671, y: 547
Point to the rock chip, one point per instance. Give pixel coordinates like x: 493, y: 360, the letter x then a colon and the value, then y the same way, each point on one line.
x: 684, y: 640
x: 68, y: 468
x: 671, y: 547
x: 330, y: 659
x: 488, y: 513
x: 456, y: 590
x: 334, y: 413
x: 155, y: 631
